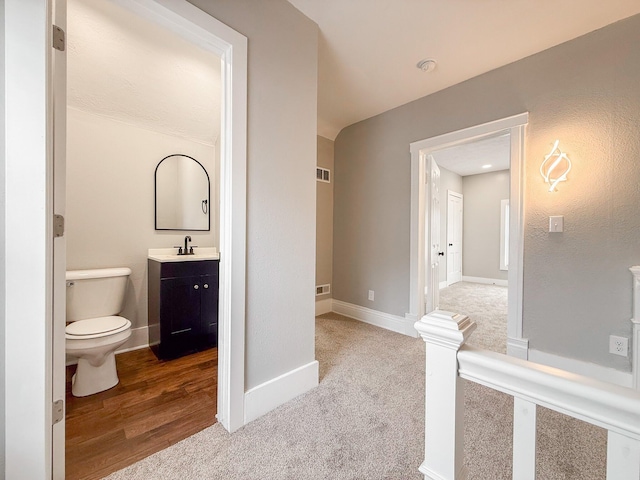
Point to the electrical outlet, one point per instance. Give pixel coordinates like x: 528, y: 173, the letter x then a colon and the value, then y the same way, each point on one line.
x: 372, y: 295
x: 619, y: 345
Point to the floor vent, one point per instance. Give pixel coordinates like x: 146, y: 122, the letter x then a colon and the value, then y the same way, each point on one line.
x: 323, y: 175
x: 323, y: 289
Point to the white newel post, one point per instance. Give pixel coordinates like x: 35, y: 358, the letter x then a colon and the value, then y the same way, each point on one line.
x: 444, y: 333
x: 635, y: 321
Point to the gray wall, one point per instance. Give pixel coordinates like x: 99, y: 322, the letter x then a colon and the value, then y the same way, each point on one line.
x: 2, y: 240
x: 281, y: 193
x: 481, y: 224
x: 324, y: 218
x: 577, y: 284
x: 448, y: 181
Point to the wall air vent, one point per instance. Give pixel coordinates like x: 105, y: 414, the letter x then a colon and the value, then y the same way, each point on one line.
x: 323, y: 175
x: 323, y: 289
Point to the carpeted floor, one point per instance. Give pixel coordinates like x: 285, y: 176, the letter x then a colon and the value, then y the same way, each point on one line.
x: 484, y: 304
x: 366, y: 420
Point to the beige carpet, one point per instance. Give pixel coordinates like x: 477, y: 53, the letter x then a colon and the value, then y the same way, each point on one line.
x: 366, y: 420
x: 484, y: 304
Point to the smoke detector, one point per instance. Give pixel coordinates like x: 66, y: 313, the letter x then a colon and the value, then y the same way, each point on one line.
x: 427, y: 65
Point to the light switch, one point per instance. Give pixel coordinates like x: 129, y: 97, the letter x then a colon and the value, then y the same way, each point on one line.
x: 556, y: 224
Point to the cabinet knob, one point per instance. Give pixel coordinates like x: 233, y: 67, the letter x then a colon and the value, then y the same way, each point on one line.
x: 196, y: 287
x: 206, y: 285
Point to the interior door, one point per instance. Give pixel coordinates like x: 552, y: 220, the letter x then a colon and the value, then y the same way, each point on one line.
x: 58, y: 103
x: 454, y: 237
x: 434, y: 252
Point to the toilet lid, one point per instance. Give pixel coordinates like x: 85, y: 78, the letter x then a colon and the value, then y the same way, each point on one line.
x: 93, y: 326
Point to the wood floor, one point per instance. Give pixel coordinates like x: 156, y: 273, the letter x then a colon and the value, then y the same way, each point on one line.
x: 156, y: 404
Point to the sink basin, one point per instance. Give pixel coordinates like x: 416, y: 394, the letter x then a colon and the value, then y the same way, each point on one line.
x: 171, y: 254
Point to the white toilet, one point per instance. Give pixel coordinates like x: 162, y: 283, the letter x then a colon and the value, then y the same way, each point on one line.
x: 94, y: 331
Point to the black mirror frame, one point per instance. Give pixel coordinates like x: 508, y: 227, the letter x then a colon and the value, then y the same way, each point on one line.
x: 155, y: 197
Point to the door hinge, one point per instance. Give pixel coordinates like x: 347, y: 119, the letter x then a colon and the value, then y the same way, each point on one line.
x: 58, y: 38
x: 58, y: 411
x: 58, y: 226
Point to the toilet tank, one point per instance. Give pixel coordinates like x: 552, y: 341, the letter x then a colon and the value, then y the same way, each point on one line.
x: 95, y: 293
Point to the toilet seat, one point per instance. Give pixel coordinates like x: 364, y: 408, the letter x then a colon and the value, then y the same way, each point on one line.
x: 96, y: 327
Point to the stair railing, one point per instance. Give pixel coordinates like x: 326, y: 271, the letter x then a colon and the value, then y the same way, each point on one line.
x: 448, y: 361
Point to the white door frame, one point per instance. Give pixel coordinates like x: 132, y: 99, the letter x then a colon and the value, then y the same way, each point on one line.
x: 58, y: 126
x: 516, y: 345
x: 28, y: 240
x: 433, y: 250
x: 451, y: 193
x: 205, y: 31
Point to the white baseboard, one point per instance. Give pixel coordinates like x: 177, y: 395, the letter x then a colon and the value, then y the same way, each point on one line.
x: 518, y: 347
x: 486, y: 281
x: 324, y: 306
x: 587, y: 369
x: 139, y: 339
x: 269, y: 395
x: 442, y: 285
x: 379, y: 319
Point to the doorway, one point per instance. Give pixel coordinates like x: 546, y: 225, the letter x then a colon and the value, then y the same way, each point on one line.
x: 423, y: 221
x: 474, y: 185
x: 203, y: 31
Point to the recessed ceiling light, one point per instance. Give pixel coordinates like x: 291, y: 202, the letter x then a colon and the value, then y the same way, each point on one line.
x: 427, y: 65
x: 486, y: 166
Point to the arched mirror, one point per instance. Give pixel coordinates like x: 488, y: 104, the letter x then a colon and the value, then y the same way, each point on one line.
x: 182, y: 194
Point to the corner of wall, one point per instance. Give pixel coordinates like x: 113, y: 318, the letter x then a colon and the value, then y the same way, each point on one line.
x: 2, y: 242
x: 324, y: 305
x: 278, y: 391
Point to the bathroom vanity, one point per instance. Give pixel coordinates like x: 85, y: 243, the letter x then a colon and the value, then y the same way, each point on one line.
x: 183, y: 301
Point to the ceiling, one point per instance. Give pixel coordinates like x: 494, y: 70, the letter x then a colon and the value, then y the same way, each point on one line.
x: 470, y: 158
x: 127, y: 68
x: 368, y: 49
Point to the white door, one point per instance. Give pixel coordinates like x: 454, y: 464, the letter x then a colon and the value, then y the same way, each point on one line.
x: 434, y: 252
x: 454, y: 237
x: 59, y: 134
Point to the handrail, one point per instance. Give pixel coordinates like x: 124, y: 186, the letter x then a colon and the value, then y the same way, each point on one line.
x: 603, y: 404
x: 449, y: 361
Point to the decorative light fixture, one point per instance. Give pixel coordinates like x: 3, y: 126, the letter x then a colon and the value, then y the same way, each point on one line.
x: 555, y: 167
x: 427, y: 65
x: 487, y: 166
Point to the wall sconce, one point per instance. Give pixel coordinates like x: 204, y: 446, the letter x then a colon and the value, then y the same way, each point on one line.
x: 553, y: 165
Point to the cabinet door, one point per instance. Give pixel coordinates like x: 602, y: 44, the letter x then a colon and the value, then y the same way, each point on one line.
x: 209, y: 310
x: 180, y: 312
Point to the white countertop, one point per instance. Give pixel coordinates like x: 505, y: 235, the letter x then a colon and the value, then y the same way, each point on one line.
x: 171, y: 254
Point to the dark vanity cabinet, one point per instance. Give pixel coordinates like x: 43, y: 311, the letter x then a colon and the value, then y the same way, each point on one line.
x: 183, y: 306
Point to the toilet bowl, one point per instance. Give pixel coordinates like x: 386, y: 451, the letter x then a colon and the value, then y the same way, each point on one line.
x: 94, y: 332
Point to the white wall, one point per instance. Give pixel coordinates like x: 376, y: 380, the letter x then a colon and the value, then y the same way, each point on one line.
x: 169, y: 84
x: 110, y: 199
x: 481, y: 231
